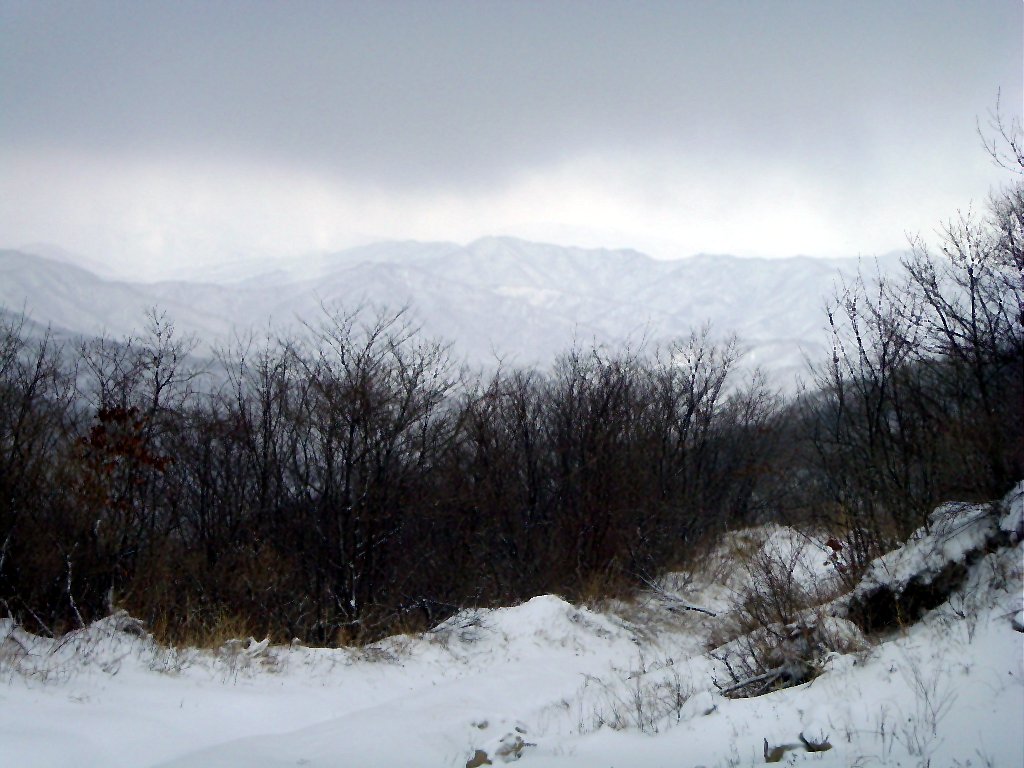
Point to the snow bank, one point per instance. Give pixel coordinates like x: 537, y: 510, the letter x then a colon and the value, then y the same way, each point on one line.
x: 547, y: 684
x: 806, y: 553
x: 899, y: 586
x: 540, y: 624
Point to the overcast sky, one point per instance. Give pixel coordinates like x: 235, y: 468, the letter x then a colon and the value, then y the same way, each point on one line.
x: 146, y: 133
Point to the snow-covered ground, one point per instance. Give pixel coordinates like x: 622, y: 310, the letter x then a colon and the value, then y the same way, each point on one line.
x: 548, y: 683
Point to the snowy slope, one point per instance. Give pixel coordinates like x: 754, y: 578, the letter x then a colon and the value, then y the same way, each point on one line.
x: 545, y: 683
x: 496, y: 297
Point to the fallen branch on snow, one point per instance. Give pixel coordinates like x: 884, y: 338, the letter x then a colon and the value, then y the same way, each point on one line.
x: 676, y: 600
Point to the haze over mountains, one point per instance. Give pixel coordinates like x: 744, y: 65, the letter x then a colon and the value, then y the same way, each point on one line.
x: 494, y: 298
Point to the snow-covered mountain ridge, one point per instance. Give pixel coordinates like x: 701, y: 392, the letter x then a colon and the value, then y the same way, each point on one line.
x: 495, y: 297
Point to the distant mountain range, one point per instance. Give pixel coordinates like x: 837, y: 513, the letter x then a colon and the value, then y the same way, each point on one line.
x: 495, y: 297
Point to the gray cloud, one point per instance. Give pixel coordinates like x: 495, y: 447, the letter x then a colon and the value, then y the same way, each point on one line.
x: 469, y: 98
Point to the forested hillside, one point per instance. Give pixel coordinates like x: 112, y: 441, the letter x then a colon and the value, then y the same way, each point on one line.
x: 349, y: 479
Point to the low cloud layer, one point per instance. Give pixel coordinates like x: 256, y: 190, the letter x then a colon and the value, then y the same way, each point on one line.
x: 190, y: 130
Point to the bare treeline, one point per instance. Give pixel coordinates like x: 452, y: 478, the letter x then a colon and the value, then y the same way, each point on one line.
x: 349, y: 480
x: 922, y: 399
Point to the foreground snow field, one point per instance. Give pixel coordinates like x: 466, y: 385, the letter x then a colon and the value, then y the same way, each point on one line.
x: 548, y: 684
